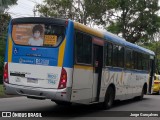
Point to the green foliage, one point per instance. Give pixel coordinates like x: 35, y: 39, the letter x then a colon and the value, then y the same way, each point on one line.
x: 4, y: 18
x: 135, y: 19
x: 1, y: 91
x: 96, y: 9
x: 154, y: 46
x: 4, y: 4
x: 55, y: 7
x: 7, y: 2
x: 1, y: 67
x: 114, y: 27
x: 70, y: 9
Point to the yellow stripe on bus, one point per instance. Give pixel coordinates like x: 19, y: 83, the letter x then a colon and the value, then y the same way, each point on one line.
x: 10, y: 47
x: 83, y: 67
x: 61, y: 53
x: 89, y: 30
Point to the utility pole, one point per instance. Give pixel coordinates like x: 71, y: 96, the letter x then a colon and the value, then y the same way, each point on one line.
x: 34, y: 10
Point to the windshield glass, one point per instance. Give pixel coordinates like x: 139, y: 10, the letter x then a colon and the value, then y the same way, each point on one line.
x: 38, y: 34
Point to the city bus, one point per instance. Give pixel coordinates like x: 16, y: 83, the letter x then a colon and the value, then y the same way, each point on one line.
x: 68, y: 62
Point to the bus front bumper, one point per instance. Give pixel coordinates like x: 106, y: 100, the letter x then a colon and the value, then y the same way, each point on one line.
x: 38, y: 93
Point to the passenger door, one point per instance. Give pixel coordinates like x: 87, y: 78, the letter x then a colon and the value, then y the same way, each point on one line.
x: 152, y: 72
x: 83, y: 69
x: 97, y: 64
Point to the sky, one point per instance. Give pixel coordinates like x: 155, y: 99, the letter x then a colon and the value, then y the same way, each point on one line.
x: 24, y: 8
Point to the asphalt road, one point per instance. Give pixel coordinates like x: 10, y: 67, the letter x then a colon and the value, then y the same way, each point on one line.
x: 48, y: 108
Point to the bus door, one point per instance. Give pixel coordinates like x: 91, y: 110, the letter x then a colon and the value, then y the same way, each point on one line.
x: 97, y: 65
x: 152, y: 71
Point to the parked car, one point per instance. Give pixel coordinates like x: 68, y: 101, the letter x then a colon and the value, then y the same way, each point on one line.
x: 156, y: 85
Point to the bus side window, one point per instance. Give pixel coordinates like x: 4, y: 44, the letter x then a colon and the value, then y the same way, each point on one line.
x: 121, y: 56
x: 140, y: 61
x: 129, y: 59
x: 79, y: 47
x: 135, y: 60
x: 145, y: 62
x: 115, y: 55
x: 108, y: 52
x: 83, y: 48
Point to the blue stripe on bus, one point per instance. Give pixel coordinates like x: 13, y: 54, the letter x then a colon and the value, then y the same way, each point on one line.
x: 68, y: 55
x: 118, y: 40
x: 6, y: 50
x: 34, y: 60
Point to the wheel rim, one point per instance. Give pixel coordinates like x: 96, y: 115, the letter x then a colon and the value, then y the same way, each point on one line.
x: 109, y: 99
x: 142, y: 94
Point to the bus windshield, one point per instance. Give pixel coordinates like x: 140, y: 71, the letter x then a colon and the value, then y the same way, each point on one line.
x: 38, y: 34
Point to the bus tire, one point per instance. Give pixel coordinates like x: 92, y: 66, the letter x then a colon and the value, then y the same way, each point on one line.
x: 109, y: 98
x: 142, y: 95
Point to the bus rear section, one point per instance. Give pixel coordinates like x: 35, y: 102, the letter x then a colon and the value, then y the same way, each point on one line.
x: 34, y: 59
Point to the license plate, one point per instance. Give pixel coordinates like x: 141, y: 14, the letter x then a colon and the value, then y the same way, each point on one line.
x: 32, y: 80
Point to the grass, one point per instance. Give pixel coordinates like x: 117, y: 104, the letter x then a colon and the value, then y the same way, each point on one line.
x: 2, y: 94
x: 2, y: 91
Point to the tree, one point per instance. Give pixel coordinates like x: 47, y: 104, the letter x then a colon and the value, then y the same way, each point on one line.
x: 72, y: 9
x: 4, y: 20
x: 4, y: 4
x: 136, y: 20
x: 154, y: 45
x: 77, y: 10
x: 5, y: 17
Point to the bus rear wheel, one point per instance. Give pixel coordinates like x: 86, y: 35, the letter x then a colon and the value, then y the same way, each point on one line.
x: 109, y: 98
x: 142, y: 95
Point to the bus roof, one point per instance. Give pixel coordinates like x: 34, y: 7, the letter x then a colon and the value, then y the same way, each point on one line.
x: 118, y: 40
x: 104, y: 35
x: 112, y: 38
x: 39, y: 20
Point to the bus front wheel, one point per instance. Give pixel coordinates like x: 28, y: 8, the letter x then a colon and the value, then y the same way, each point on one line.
x: 109, y: 98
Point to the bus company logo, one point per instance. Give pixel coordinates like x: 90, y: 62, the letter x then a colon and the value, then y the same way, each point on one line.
x: 52, y: 76
x: 25, y: 61
x: 42, y: 62
x: 20, y: 115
